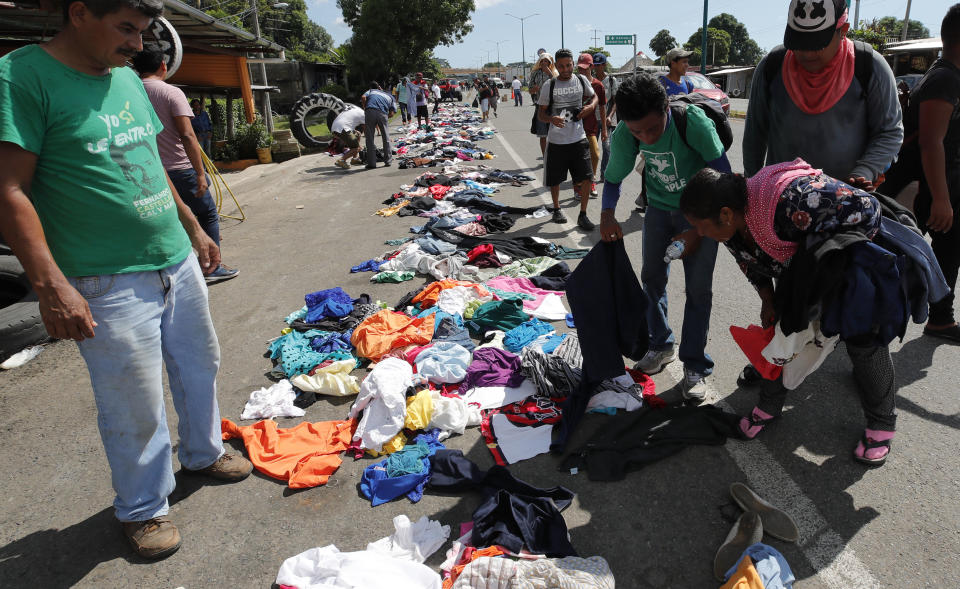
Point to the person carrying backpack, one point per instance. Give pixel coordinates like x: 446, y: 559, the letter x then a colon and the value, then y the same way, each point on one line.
x: 931, y: 154
x: 677, y: 140
x: 823, y: 98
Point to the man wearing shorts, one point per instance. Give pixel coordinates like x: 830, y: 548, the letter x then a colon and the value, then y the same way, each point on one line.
x: 347, y: 127
x: 561, y: 104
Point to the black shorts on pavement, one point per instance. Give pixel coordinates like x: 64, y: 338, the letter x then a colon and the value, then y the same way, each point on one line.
x: 561, y: 158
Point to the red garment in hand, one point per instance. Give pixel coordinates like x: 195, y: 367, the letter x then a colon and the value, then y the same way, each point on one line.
x: 304, y: 456
x: 752, y: 340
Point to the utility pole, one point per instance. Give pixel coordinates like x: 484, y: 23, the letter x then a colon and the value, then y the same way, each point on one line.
x: 523, y: 45
x: 596, y: 39
x: 703, y: 44
x: 267, y: 110
x: 856, y: 16
x: 498, y: 54
x: 906, y: 23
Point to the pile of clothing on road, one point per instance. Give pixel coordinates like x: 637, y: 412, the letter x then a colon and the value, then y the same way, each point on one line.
x: 477, y: 346
x: 451, y: 136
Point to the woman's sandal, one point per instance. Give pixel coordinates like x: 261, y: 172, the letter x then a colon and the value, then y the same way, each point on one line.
x: 751, y: 425
x: 866, y: 443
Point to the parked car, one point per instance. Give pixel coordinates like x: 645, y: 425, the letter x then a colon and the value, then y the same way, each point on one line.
x: 450, y: 90
x: 702, y: 85
x: 497, y: 81
x: 909, y: 79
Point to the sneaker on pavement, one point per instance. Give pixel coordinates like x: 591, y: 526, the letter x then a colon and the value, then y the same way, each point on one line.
x: 153, y: 538
x: 694, y: 385
x: 593, y: 189
x: 223, y: 272
x: 356, y: 161
x: 584, y: 223
x: 344, y: 165
x: 655, y: 360
x: 229, y: 467
x: 558, y: 216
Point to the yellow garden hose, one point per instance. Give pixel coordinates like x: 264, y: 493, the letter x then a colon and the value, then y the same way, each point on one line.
x: 217, y: 180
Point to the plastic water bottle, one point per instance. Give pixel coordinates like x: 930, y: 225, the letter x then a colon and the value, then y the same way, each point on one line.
x: 674, y: 251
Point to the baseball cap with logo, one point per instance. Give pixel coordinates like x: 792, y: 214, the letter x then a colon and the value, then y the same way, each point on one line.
x: 677, y: 53
x: 599, y: 59
x: 585, y: 61
x: 811, y: 24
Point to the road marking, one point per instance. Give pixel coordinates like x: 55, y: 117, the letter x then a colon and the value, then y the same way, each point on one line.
x: 543, y: 193
x: 836, y: 564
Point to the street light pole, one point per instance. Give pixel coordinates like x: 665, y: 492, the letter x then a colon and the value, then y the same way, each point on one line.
x: 498, y: 53
x: 267, y: 109
x: 703, y: 44
x: 562, y: 44
x: 523, y: 45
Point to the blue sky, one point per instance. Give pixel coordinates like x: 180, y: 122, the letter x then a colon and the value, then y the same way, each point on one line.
x: 765, y: 20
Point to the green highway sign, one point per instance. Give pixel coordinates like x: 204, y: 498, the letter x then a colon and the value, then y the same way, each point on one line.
x: 618, y: 39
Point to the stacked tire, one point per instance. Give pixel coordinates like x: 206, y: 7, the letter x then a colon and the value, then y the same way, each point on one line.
x: 20, y: 323
x: 309, y: 105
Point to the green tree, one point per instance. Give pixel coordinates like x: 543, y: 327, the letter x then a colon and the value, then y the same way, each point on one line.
x: 878, y: 40
x: 662, y: 42
x: 492, y: 65
x: 718, y: 46
x: 743, y: 49
x: 442, y: 62
x: 592, y: 50
x: 891, y: 26
x: 288, y: 26
x: 392, y: 38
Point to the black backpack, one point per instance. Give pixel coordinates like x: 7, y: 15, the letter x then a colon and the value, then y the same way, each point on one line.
x: 679, y: 103
x: 862, y: 68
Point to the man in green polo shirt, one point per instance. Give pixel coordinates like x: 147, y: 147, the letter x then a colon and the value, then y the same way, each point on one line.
x: 108, y: 245
x: 647, y: 127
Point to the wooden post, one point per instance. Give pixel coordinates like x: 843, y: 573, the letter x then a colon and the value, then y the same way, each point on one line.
x: 230, y: 125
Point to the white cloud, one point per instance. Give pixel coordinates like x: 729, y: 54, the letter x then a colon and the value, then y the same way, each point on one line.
x: 584, y: 28
x: 481, y: 4
x: 340, y: 22
x: 319, y: 3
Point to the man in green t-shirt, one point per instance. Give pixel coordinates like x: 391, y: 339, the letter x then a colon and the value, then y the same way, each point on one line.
x: 647, y: 127
x: 108, y: 246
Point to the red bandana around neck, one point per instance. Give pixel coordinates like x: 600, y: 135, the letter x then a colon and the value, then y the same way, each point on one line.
x: 815, y: 93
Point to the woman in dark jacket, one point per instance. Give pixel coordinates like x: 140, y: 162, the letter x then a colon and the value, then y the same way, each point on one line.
x: 762, y: 222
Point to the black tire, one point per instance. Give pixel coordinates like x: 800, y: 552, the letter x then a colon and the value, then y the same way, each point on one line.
x: 20, y: 323
x: 313, y: 104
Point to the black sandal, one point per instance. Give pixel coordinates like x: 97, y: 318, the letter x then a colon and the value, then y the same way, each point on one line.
x: 868, y: 445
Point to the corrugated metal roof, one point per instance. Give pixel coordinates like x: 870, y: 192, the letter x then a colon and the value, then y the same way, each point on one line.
x: 24, y: 21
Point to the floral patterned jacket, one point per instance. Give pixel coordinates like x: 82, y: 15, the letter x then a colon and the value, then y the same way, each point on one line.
x: 809, y: 206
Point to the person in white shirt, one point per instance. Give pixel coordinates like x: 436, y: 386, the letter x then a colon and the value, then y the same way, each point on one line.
x: 348, y: 127
x: 435, y: 91
x: 517, y: 94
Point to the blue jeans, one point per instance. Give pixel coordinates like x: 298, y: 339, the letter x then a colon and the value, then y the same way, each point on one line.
x: 204, y: 209
x: 146, y: 320
x: 659, y: 227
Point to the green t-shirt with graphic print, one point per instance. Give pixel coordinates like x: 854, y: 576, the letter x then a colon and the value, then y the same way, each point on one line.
x: 669, y: 162
x: 99, y: 187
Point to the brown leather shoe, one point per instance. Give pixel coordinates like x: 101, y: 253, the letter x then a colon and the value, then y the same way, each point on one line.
x: 153, y: 538
x: 229, y: 467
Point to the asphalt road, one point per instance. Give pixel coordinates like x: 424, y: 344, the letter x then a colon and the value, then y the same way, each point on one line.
x: 308, y: 222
